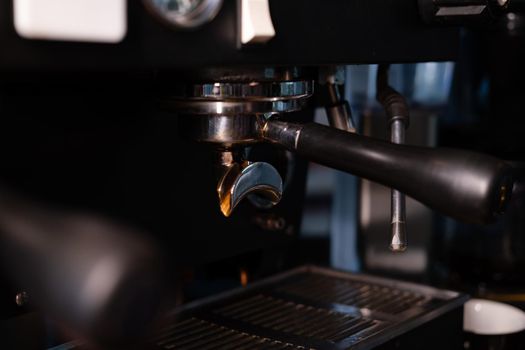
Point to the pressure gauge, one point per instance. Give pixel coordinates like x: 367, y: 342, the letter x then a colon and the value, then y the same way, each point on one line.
x: 185, y: 13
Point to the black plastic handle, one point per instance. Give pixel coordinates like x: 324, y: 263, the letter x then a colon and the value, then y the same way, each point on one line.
x: 468, y: 186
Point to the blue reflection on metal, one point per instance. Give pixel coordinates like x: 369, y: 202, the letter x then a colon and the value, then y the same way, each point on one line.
x: 425, y: 84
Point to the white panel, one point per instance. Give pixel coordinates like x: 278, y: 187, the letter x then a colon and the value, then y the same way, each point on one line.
x: 257, y: 26
x: 71, y: 20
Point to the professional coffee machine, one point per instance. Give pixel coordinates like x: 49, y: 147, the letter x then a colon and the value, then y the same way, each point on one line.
x: 151, y: 146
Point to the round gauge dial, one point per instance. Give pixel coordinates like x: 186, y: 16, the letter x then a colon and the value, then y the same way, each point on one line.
x: 185, y: 13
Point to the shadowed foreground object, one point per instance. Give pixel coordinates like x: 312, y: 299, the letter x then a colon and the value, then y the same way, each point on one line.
x: 96, y: 278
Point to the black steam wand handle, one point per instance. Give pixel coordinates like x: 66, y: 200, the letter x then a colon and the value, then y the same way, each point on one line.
x: 467, y: 186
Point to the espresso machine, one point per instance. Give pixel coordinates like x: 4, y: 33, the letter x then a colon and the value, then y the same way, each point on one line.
x: 154, y: 149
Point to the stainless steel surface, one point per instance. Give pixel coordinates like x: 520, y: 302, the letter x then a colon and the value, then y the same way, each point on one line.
x: 375, y: 206
x: 398, y: 242
x: 307, y: 308
x: 242, y: 179
x: 339, y: 117
x: 397, y: 134
x: 257, y: 91
x: 338, y: 111
x: 240, y: 98
x: 283, y: 133
x: 184, y: 13
x: 198, y: 334
x: 226, y: 130
x: 234, y: 107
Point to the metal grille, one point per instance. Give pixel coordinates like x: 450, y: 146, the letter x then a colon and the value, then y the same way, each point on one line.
x: 363, y: 295
x: 203, y: 335
x: 308, y: 308
x: 296, y: 318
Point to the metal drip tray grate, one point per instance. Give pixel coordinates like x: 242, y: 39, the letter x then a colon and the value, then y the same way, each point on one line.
x: 199, y: 334
x: 363, y: 295
x: 307, y: 308
x: 297, y: 319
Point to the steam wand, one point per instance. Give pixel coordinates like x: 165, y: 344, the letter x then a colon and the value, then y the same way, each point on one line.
x: 398, y: 119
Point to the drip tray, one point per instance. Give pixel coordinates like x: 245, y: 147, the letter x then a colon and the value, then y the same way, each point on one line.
x: 312, y: 308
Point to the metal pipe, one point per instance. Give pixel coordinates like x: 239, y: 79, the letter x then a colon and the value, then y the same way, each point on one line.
x: 398, y: 241
x: 396, y: 110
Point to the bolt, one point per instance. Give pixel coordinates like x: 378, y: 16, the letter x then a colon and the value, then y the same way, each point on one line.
x: 21, y: 298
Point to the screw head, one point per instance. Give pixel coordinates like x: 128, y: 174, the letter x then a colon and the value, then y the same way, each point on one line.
x: 21, y: 298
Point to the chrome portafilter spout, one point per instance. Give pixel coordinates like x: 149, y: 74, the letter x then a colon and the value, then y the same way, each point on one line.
x: 227, y: 112
x: 239, y: 179
x: 337, y: 108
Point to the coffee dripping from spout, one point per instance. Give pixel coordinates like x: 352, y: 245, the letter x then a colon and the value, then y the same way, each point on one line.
x: 235, y: 111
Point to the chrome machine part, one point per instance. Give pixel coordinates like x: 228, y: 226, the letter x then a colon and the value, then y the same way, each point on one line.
x: 256, y: 91
x: 396, y: 110
x: 228, y: 113
x: 224, y: 130
x: 240, y: 179
x: 236, y: 107
x: 337, y: 108
x: 185, y: 14
x: 241, y: 98
x: 316, y: 308
x: 398, y: 232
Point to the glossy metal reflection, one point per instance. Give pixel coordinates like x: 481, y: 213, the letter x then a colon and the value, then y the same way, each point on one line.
x: 244, y: 178
x: 240, y: 98
x: 185, y: 13
x: 224, y: 130
x: 398, y: 231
